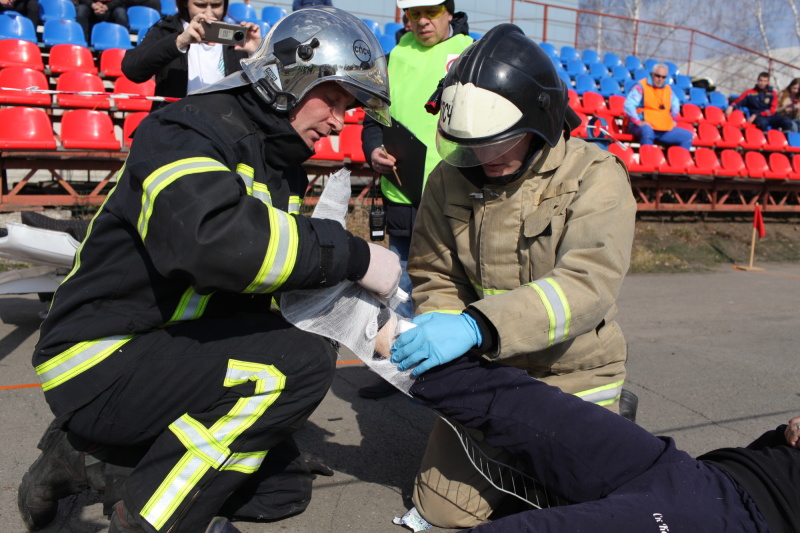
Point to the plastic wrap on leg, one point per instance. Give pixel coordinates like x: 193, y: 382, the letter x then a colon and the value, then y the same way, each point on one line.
x: 347, y: 312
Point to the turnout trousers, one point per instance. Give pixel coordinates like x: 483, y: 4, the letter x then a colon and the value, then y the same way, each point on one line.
x: 215, y: 402
x: 621, y: 478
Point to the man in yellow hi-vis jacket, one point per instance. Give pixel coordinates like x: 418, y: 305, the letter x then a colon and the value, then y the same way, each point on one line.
x: 520, y: 246
x: 162, y: 339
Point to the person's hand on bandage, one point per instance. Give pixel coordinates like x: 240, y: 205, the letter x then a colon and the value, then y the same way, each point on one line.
x: 438, y: 338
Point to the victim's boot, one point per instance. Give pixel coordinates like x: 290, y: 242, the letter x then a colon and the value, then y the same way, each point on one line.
x: 60, y: 471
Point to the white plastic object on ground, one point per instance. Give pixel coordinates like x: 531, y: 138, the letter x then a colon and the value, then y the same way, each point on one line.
x: 37, y: 245
x: 412, y: 519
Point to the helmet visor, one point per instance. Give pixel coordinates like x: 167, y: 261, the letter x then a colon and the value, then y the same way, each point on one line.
x: 366, y: 87
x: 473, y: 155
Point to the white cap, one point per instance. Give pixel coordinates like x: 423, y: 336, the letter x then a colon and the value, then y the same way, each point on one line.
x: 405, y: 4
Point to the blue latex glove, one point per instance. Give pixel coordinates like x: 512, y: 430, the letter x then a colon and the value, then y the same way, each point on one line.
x: 437, y: 339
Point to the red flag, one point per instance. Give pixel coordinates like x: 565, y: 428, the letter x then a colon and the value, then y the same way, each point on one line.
x: 758, y: 222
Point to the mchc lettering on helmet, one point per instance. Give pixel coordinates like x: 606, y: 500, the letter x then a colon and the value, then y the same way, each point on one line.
x: 362, y: 51
x: 446, y: 112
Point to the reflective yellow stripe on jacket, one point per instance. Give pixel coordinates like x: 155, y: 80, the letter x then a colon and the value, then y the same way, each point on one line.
x: 210, y: 448
x: 605, y: 395
x: 77, y: 359
x: 254, y: 189
x: 557, y: 307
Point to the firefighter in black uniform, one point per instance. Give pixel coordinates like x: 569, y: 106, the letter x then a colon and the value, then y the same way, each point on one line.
x: 162, y: 337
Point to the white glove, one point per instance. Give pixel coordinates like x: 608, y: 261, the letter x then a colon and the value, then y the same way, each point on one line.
x: 383, y: 274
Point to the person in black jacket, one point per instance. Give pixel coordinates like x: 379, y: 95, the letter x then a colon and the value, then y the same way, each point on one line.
x: 617, y: 477
x: 162, y: 340
x: 170, y: 46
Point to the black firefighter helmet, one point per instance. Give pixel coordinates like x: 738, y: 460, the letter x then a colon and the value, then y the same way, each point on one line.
x: 501, y: 88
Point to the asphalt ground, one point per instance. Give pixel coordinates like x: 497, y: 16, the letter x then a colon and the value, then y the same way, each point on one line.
x: 713, y: 358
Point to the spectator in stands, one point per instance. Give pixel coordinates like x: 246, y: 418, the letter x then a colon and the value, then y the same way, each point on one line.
x: 651, y: 107
x: 174, y: 52
x: 438, y: 35
x: 618, y: 477
x: 761, y: 102
x: 789, y: 103
x: 405, y: 29
x: 300, y: 4
x: 521, y: 244
x: 90, y: 12
x: 27, y: 8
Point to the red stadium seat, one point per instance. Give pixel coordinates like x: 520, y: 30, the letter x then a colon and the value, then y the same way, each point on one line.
x: 19, y: 53
x: 350, y: 143
x: 616, y: 105
x: 731, y: 137
x: 574, y: 100
x: 592, y: 103
x: 81, y: 81
x: 756, y: 164
x: 754, y: 139
x: 616, y: 130
x: 732, y: 164
x: 714, y: 115
x: 653, y: 156
x: 796, y: 167
x: 132, y: 120
x: 67, y: 57
x: 776, y: 141
x: 737, y: 118
x: 780, y: 167
x: 707, y: 135
x: 323, y: 150
x: 88, y: 130
x: 691, y: 113
x: 628, y: 157
x: 705, y: 162
x: 679, y: 160
x: 23, y: 78
x: 111, y: 62
x: 354, y: 116
x: 125, y: 86
x: 26, y: 128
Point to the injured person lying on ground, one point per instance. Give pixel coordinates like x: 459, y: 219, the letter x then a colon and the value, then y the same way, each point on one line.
x: 616, y: 476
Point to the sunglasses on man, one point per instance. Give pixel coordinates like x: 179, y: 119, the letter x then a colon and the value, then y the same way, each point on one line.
x: 659, y: 76
x: 430, y: 12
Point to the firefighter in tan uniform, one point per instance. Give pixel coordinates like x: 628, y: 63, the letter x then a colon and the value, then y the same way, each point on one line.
x: 520, y: 246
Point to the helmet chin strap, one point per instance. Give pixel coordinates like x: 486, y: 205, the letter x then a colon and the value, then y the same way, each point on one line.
x: 270, y: 96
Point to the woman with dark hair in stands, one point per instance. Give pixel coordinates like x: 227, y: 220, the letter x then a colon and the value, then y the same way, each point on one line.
x: 789, y: 103
x: 174, y: 52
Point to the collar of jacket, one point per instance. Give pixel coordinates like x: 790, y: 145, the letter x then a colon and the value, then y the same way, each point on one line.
x: 460, y: 23
x: 283, y: 145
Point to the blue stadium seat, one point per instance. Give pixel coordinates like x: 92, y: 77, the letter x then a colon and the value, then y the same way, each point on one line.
x: 475, y: 35
x: 264, y: 26
x: 794, y: 139
x: 241, y: 12
x: 107, y: 35
x: 564, y: 76
x: 598, y: 70
x: 15, y: 26
x: 568, y: 54
x: 650, y: 63
x: 549, y: 49
x: 717, y: 99
x: 584, y: 83
x: 609, y: 87
x: 621, y: 74
x: 141, y: 18
x: 168, y: 7
x: 63, y: 31
x: 640, y: 73
x: 698, y: 96
x: 390, y: 28
x: 632, y: 63
x: 56, y: 10
x: 387, y: 43
x: 672, y: 68
x: 628, y: 85
x: 575, y: 67
x: 683, y: 98
x: 590, y: 56
x: 683, y: 82
x: 374, y: 26
x: 272, y: 14
x: 611, y: 60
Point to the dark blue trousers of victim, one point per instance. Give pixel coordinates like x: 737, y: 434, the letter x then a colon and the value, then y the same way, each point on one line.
x: 621, y: 478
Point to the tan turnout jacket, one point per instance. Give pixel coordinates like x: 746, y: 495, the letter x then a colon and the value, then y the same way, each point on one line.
x: 541, y: 258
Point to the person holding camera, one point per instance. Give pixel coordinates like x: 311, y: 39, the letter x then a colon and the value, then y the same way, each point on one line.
x: 175, y: 50
x: 651, y: 108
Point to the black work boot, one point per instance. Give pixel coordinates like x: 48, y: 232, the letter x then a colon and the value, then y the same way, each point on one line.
x: 60, y: 471
x: 628, y: 404
x: 122, y: 521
